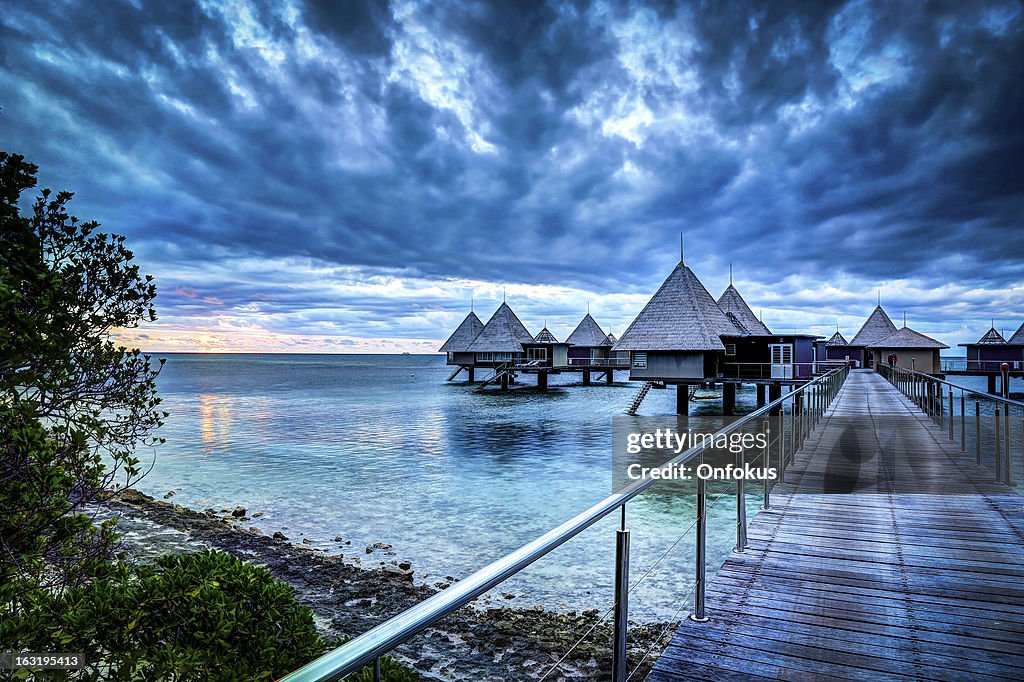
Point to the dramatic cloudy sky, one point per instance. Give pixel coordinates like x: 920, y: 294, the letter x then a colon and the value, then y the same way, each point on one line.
x: 346, y: 176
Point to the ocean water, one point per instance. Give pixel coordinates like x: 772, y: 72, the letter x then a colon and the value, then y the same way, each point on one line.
x: 382, y: 449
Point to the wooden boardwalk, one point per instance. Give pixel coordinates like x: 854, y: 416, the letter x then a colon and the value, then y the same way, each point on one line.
x: 920, y: 579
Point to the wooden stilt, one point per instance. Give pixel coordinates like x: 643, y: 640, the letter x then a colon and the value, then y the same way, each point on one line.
x: 682, y: 399
x: 728, y: 399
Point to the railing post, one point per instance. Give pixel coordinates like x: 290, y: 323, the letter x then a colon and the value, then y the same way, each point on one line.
x: 376, y: 669
x: 766, y: 461
x: 977, y: 431
x: 999, y: 454
x: 963, y: 422
x: 1006, y: 444
x: 621, y: 627
x: 951, y: 413
x: 782, y: 448
x: 741, y: 503
x: 702, y: 529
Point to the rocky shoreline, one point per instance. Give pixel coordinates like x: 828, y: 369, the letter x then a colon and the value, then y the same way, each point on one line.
x: 475, y: 643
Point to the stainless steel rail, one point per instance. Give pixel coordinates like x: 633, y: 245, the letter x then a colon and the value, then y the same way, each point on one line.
x: 937, y: 398
x: 808, y: 401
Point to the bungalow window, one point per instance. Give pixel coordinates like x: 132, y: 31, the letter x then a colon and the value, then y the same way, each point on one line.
x: 640, y: 360
x: 730, y: 349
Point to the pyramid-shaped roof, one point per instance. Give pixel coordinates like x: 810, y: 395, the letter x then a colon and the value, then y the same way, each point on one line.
x: 992, y: 336
x: 463, y: 335
x: 876, y: 327
x: 907, y: 338
x: 681, y: 315
x: 1018, y: 336
x: 836, y: 340
x: 503, y: 333
x: 588, y: 333
x: 545, y: 336
x: 611, y: 339
x: 731, y: 302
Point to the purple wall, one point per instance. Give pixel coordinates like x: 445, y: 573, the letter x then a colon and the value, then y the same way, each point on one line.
x: 994, y: 353
x: 803, y: 356
x: 840, y: 353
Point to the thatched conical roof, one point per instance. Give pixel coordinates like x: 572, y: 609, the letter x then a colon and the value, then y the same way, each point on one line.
x: 463, y: 335
x: 545, y: 336
x: 588, y: 334
x: 503, y: 333
x: 907, y: 338
x: 731, y: 302
x: 1018, y: 336
x: 992, y: 336
x: 681, y: 315
x: 876, y: 327
x: 836, y: 340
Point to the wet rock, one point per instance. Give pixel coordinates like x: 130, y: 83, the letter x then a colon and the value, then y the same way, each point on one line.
x: 257, y: 515
x: 306, y: 541
x: 508, y: 595
x: 239, y: 512
x: 169, y: 495
x: 400, y: 573
x: 337, y: 538
x: 349, y: 598
x: 405, y: 565
x: 381, y: 545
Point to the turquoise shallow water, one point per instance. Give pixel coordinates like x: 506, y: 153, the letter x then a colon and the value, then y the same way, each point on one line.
x: 382, y: 449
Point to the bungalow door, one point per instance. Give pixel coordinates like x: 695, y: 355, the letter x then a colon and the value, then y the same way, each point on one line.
x: 782, y: 360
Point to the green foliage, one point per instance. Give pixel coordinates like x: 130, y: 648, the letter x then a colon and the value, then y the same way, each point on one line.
x: 74, y: 405
x: 205, y: 616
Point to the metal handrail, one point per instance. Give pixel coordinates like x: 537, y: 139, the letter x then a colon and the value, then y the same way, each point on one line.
x: 926, y: 391
x: 928, y: 377
x: 597, y: 362
x: 980, y: 365
x: 383, y: 638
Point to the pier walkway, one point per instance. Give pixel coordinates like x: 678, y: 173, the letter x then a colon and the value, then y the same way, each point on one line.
x: 914, y: 570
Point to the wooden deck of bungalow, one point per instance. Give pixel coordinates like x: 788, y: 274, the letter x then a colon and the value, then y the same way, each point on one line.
x: 923, y: 583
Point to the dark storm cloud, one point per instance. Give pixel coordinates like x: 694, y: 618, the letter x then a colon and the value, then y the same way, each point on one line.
x: 561, y: 143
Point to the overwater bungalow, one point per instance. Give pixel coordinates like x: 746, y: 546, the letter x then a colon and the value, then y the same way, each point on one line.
x: 836, y: 348
x: 877, y: 327
x: 677, y: 337
x: 619, y: 358
x: 757, y: 353
x: 908, y: 349
x: 502, y: 340
x: 456, y: 348
x: 588, y: 343
x: 989, y: 352
x: 546, y: 350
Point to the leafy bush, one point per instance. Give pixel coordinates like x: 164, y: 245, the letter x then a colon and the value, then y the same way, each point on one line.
x: 205, y: 616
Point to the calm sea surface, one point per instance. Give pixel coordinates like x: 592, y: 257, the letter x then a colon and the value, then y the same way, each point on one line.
x: 379, y: 448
